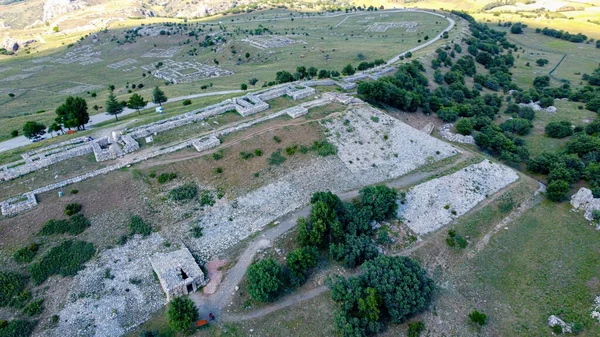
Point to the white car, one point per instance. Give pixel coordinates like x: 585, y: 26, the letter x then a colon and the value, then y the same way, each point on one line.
x: 36, y: 139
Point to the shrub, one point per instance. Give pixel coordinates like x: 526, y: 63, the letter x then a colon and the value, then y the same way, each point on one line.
x: 137, y: 225
x: 218, y: 155
x: 246, y: 155
x: 12, y: 287
x: 72, y: 209
x: 197, y: 232
x: 184, y: 192
x: 219, y: 170
x: 166, y: 177
x: 187, y: 102
x: 324, y: 148
x: 526, y: 112
x: 65, y: 259
x: 17, y: 328
x: 258, y: 152
x: 207, y: 198
x: 478, y: 317
x: 560, y: 129
x: 277, y: 139
x: 464, y: 126
x: 276, y: 158
x: 74, y: 191
x: 519, y: 126
x: 291, y: 150
x: 265, y: 280
x: 299, y: 261
x: 34, y: 308
x: 74, y: 225
x: 448, y: 115
x: 541, y: 62
x: 557, y: 190
x: 182, y: 314
x: 415, y: 329
x: 14, y: 133
x: 26, y: 254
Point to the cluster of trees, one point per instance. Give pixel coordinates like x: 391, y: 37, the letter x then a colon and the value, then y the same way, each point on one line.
x: 561, y: 34
x: 390, y: 289
x: 310, y: 73
x: 341, y: 228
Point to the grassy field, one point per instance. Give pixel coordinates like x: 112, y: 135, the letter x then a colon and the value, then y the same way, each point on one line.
x: 40, y: 87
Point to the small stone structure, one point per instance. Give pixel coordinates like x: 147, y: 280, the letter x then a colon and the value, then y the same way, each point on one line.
x: 178, y: 272
x: 271, y: 41
x: 166, y: 53
x: 185, y: 71
x: 380, y: 27
x: 445, y: 132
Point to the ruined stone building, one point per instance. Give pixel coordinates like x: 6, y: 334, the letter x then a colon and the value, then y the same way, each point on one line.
x: 178, y: 272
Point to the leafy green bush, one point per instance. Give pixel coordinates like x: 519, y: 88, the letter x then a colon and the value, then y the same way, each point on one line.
x: 17, y: 328
x: 34, y: 308
x: 381, y: 200
x: 265, y: 280
x: 415, y: 329
x: 166, y: 177
x: 258, y: 152
x: 187, y: 102
x: 299, y: 261
x: 291, y: 150
x: 27, y: 253
x: 12, y: 286
x: 277, y: 139
x: 276, y: 158
x: 137, y: 225
x: 464, y: 126
x: 478, y: 317
x: 182, y: 314
x: 65, y: 259
x: 207, y: 198
x: 519, y: 126
x: 246, y: 155
x: 72, y: 209
x: 557, y: 190
x: 186, y: 191
x: 560, y: 129
x: 324, y: 148
x: 197, y: 232
x: 218, y: 155
x: 74, y: 225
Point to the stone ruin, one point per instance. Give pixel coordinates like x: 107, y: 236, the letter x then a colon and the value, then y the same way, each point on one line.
x: 123, y: 63
x: 83, y: 55
x: 178, y: 272
x: 188, y: 71
x: 445, y: 131
x: 163, y: 53
x: 381, y: 27
x: 271, y: 41
x: 119, y: 144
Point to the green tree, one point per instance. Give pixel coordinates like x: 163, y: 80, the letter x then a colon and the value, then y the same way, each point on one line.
x: 464, y: 126
x: 247, y: 55
x: 253, y: 81
x: 299, y: 261
x: 113, y: 107
x: 54, y: 127
x: 158, y: 96
x: 478, y: 317
x: 33, y: 129
x: 557, y: 190
x: 559, y: 129
x: 348, y: 70
x: 381, y: 200
x: 302, y: 71
x: 244, y: 86
x: 593, y: 105
x: 284, y: 77
x: 312, y: 72
x: 265, y: 280
x: 182, y: 314
x: 73, y: 113
x: 136, y: 102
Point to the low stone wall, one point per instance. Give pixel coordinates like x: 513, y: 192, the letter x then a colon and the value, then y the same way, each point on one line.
x: 296, y: 111
x: 206, y: 143
x: 130, y: 144
x: 18, y: 204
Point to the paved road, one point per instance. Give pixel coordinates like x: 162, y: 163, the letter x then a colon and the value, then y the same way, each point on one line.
x: 103, y: 117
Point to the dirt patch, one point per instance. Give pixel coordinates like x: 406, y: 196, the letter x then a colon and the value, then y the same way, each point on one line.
x: 214, y: 269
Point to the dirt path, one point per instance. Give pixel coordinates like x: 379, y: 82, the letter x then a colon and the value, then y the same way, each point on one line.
x: 525, y: 206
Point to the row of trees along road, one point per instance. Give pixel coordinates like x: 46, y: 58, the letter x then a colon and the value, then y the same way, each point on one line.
x: 73, y: 113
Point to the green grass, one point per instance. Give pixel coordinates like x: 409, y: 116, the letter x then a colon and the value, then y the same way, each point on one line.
x: 326, y: 47
x: 545, y: 264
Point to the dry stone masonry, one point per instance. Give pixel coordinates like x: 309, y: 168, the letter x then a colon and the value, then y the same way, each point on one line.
x: 178, y: 272
x: 445, y: 131
x: 584, y: 200
x: 435, y: 203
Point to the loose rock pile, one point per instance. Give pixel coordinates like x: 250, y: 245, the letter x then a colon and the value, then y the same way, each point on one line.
x: 445, y: 132
x: 114, y: 293
x: 378, y: 147
x: 434, y: 204
x: 584, y: 199
x: 536, y: 107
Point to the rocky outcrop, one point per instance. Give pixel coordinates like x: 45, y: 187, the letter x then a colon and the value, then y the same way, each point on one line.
x: 584, y: 199
x: 55, y: 8
x: 13, y: 45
